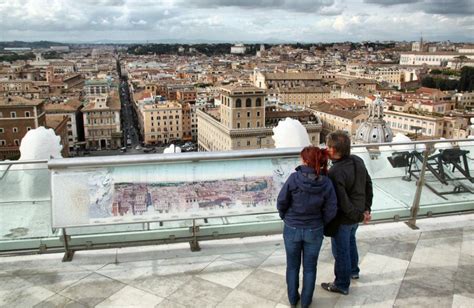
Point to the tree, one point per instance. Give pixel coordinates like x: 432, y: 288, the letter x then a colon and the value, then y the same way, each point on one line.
x: 466, y: 83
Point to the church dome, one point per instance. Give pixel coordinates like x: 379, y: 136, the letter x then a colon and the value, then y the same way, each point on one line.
x: 375, y: 129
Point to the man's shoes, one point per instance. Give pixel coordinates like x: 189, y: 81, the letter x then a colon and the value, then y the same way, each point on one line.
x: 331, y: 287
x: 355, y: 276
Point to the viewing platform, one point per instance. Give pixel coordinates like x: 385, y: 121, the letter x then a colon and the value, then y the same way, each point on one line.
x: 400, y: 267
x: 124, y: 225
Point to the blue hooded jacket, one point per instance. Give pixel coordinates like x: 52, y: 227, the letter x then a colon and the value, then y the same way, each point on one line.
x: 307, y: 200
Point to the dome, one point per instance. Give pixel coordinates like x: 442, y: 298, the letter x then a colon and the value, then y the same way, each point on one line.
x: 375, y: 129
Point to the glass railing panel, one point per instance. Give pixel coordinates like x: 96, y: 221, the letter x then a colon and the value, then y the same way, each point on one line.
x: 449, y: 178
x: 25, y: 183
x: 25, y: 202
x: 25, y: 220
x: 392, y: 195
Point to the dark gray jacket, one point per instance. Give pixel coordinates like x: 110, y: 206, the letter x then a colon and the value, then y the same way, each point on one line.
x: 353, y: 187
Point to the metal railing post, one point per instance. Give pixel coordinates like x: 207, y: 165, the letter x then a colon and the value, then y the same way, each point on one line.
x: 68, y: 253
x: 194, y: 242
x: 415, y: 208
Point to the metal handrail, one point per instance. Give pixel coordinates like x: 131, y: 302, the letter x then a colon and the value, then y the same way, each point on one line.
x: 23, y: 162
x: 205, y: 156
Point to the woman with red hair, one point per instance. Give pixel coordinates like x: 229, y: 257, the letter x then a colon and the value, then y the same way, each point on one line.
x: 306, y: 203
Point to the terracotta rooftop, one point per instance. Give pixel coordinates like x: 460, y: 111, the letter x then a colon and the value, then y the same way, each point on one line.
x: 19, y: 101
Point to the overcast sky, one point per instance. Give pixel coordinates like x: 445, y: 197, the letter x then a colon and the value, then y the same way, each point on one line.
x: 234, y: 21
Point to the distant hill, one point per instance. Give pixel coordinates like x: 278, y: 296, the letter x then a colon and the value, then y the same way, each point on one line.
x: 22, y: 44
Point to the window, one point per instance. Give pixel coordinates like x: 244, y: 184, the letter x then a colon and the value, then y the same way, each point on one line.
x: 248, y: 142
x: 1, y: 130
x: 15, y: 129
x: 27, y: 114
x: 13, y: 114
x: 258, y: 124
x: 17, y: 142
x: 248, y: 102
x: 3, y: 142
x: 238, y: 124
x: 238, y: 103
x: 258, y: 102
x: 238, y: 114
x: 248, y: 114
x: 258, y: 113
x: 248, y: 124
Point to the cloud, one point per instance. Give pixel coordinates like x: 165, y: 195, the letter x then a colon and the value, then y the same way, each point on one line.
x: 232, y: 20
x: 444, y: 7
x: 391, y: 2
x: 290, y: 5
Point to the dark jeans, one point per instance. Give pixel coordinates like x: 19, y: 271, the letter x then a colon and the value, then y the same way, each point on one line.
x: 306, y: 244
x: 344, y: 250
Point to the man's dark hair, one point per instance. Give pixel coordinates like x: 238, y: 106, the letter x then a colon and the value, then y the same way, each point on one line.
x: 340, y: 141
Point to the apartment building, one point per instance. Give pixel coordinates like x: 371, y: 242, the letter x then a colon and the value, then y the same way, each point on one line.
x: 241, y: 121
x: 161, y: 121
x: 431, y: 58
x: 101, y: 116
x: 411, y: 123
x: 303, y: 96
x: 18, y: 115
x: 289, y: 80
x: 333, y: 118
x: 464, y: 100
x: 95, y: 87
x: 71, y: 109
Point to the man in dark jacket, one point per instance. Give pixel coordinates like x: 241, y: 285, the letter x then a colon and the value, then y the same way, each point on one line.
x: 353, y: 187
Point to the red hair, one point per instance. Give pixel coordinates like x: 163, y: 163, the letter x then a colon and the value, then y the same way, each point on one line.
x: 315, y: 158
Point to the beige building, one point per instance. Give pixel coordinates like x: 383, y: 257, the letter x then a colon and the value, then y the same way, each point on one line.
x: 69, y: 108
x: 432, y: 59
x: 290, y: 80
x: 96, y: 87
x: 102, y: 129
x: 161, y: 121
x: 303, y: 96
x: 336, y: 119
x: 408, y: 123
x: 464, y: 100
x: 240, y: 122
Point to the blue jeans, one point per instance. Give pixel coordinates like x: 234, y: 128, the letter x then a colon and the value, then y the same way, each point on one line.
x: 344, y: 250
x: 306, y: 244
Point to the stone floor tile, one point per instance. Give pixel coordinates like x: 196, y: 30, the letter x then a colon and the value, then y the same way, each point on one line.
x: 161, y: 285
x: 56, y: 282
x: 443, y: 252
x: 57, y: 300
x: 17, y: 292
x: 226, y: 273
x: 200, y: 293
x: 460, y: 301
x: 380, y: 280
x: 126, y: 272
x: 264, y: 284
x: 238, y: 298
x: 428, y: 287
x: 169, y: 304
x: 251, y: 259
x: 275, y: 264
x: 131, y: 297
x: 93, y: 289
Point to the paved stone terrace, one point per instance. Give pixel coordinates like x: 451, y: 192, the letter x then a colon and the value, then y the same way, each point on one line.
x: 400, y: 267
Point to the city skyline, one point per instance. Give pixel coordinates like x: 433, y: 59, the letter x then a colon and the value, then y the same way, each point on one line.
x: 236, y: 21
